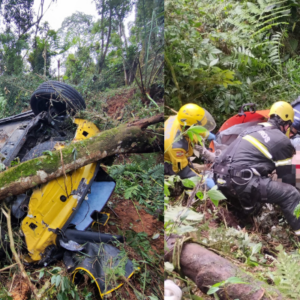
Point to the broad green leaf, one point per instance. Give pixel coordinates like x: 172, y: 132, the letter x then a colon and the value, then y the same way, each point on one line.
x: 48, y: 152
x: 182, y: 65
x: 256, y: 248
x: 213, y: 62
x: 57, y: 281
x: 200, y: 195
x: 188, y: 183
x: 190, y: 135
x: 66, y: 283
x: 202, y: 62
x: 194, y: 216
x: 212, y: 290
x: 197, y: 129
x: 200, y: 140
x: 250, y: 262
x: 216, y: 51
x: 41, y: 274
x: 174, y: 213
x: 215, y: 195
x: 234, y: 280
x: 155, y: 236
x: 196, y: 179
x: 166, y: 190
x: 297, y: 211
x: 219, y: 284
x: 169, y: 267
x: 185, y: 229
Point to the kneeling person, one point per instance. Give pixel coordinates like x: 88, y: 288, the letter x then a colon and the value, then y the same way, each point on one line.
x: 242, y: 169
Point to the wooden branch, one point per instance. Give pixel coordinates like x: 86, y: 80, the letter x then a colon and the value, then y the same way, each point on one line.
x: 149, y: 121
x: 33, y: 288
x: 122, y: 139
x: 206, y: 268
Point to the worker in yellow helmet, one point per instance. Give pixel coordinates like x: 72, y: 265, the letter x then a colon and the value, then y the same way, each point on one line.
x: 242, y: 170
x: 178, y: 147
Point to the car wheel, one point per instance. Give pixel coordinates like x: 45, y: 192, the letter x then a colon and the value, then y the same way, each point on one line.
x: 61, y: 96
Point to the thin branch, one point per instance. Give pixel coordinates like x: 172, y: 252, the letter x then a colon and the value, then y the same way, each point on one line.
x: 33, y: 288
x: 9, y: 267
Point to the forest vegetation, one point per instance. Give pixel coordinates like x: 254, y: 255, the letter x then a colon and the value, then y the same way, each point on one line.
x: 120, y: 78
x: 221, y: 54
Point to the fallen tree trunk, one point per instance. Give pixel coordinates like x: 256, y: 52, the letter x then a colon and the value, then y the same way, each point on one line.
x: 206, y: 268
x: 128, y: 138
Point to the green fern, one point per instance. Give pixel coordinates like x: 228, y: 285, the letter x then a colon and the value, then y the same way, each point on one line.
x: 131, y: 192
x: 140, y: 181
x: 287, y: 274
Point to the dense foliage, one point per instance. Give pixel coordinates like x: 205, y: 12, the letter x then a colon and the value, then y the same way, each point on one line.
x: 116, y: 74
x: 91, y: 53
x: 221, y: 54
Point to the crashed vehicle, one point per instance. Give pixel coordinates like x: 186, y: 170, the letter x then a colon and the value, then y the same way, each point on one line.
x: 230, y: 130
x: 57, y: 216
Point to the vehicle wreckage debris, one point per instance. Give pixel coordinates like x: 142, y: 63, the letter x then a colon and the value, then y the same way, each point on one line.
x: 58, y: 215
x: 123, y: 139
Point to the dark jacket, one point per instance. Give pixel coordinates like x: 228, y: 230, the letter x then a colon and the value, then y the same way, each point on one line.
x: 263, y: 147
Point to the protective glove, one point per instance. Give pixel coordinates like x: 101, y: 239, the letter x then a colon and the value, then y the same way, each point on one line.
x: 211, y: 137
x: 209, y: 182
x: 172, y: 291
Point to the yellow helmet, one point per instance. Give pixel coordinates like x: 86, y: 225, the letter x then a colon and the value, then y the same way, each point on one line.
x: 282, y: 109
x: 192, y: 114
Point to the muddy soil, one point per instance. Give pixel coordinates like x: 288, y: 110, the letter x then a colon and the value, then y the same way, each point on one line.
x: 126, y: 216
x: 19, y: 288
x: 115, y: 104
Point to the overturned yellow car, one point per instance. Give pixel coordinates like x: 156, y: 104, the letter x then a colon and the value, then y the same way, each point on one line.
x: 57, y: 216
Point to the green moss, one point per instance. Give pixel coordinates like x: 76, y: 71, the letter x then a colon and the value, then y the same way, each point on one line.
x: 50, y: 164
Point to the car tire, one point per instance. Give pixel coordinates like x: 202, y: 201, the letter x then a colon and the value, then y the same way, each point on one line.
x: 65, y: 98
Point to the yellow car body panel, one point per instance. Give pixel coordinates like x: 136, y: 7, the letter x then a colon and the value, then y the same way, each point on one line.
x: 53, y: 203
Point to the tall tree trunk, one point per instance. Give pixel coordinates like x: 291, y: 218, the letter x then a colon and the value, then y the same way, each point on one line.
x: 127, y: 138
x: 122, y: 32
x: 124, y: 35
x: 103, y: 55
x: 123, y: 58
x: 102, y: 29
x: 45, y: 59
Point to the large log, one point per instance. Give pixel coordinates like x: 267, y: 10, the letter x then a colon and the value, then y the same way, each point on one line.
x: 206, y: 268
x: 128, y: 138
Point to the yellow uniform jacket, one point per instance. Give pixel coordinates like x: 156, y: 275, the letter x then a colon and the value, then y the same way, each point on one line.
x: 177, y: 150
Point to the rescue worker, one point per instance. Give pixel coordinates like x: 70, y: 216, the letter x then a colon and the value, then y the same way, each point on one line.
x: 178, y: 147
x: 242, y: 169
x: 295, y: 128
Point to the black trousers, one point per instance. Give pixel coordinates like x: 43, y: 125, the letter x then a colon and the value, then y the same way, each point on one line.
x: 186, y: 172
x: 282, y: 194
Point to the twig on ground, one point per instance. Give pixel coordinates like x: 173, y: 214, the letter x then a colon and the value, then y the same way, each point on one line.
x: 32, y: 287
x: 9, y: 267
x: 12, y: 282
x: 138, y: 214
x: 193, y: 194
x: 174, y: 111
